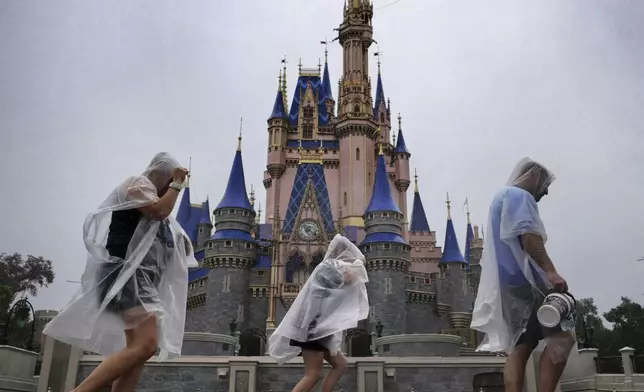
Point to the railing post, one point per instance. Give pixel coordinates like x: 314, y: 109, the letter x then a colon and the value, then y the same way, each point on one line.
x: 627, y: 364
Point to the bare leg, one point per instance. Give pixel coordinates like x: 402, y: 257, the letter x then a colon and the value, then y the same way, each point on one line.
x: 313, y: 361
x: 550, y: 370
x: 128, y: 380
x: 514, y: 371
x: 143, y: 347
x: 339, y: 366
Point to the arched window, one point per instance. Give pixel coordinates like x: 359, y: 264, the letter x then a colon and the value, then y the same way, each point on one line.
x: 357, y: 154
x: 356, y: 108
x: 294, y: 264
x: 345, y: 198
x: 382, y: 118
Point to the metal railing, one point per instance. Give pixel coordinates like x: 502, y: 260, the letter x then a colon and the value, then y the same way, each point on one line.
x: 609, y: 365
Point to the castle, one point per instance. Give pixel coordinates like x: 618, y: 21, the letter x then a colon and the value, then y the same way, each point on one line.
x: 332, y: 167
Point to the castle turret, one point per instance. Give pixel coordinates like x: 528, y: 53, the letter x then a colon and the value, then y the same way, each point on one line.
x: 386, y: 253
x: 230, y: 254
x: 356, y: 128
x: 425, y: 255
x: 189, y: 215
x: 204, y: 228
x: 454, y: 287
x: 277, y: 140
x: 327, y: 93
x: 401, y: 158
x: 381, y: 113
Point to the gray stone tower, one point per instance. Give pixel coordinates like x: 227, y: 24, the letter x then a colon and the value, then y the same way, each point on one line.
x: 387, y: 255
x: 453, y: 276
x: 204, y: 228
x: 230, y: 254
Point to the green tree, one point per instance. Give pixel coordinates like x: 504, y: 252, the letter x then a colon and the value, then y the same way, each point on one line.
x: 628, y: 324
x: 22, y: 275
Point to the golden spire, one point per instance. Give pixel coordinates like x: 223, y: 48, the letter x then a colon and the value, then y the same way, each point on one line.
x: 467, y: 205
x: 415, y: 181
x: 319, y: 65
x: 239, y: 138
x: 252, y: 195
x: 449, y: 209
x: 299, y: 66
x: 379, y: 141
x: 284, y: 91
x: 279, y: 81
x: 399, y: 121
x: 259, y: 213
x: 299, y: 148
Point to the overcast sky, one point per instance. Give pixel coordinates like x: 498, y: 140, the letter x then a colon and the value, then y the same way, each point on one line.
x: 90, y: 90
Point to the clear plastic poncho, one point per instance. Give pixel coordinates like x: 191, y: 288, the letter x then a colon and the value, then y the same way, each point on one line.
x: 333, y: 299
x: 505, y: 299
x: 153, y: 275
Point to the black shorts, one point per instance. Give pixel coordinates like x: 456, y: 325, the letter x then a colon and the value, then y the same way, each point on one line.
x: 139, y: 290
x: 313, y: 345
x: 534, y: 332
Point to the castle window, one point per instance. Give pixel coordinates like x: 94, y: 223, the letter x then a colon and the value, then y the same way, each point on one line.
x: 367, y: 248
x: 357, y: 154
x: 356, y: 108
x: 427, y: 281
x: 210, y: 245
x: 201, y: 230
x: 382, y: 118
x: 387, y: 246
x: 345, y: 198
x: 228, y: 244
x: 308, y: 112
x: 248, y: 246
x: 245, y: 213
x: 412, y: 279
x: 260, y: 274
x: 307, y: 131
x: 201, y: 283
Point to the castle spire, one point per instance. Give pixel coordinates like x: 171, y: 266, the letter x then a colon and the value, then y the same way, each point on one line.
x: 235, y: 195
x: 279, y: 109
x: 380, y: 92
x: 469, y: 235
x: 381, y: 199
x: 401, y: 147
x: 239, y: 138
x: 205, y: 213
x: 284, y: 89
x: 326, y: 80
x: 419, y: 222
x: 451, y: 250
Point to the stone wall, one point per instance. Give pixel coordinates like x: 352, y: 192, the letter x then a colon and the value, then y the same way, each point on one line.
x: 262, y: 374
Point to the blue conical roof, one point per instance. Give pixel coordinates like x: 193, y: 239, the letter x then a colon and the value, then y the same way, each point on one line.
x: 380, y: 97
x: 205, y: 213
x: 401, y: 147
x: 469, y: 237
x: 235, y: 195
x: 451, y: 250
x: 183, y: 214
x: 278, y: 107
x: 326, y: 84
x: 418, y: 217
x: 381, y: 199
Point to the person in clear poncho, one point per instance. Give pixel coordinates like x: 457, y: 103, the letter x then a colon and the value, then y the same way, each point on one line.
x: 333, y: 299
x: 516, y: 275
x: 133, y: 292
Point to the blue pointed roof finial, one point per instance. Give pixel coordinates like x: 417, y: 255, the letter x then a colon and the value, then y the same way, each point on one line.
x: 205, y: 213
x: 451, y: 250
x: 235, y: 195
x: 419, y: 222
x: 326, y: 80
x: 279, y: 111
x: 469, y: 235
x: 401, y: 147
x: 381, y: 199
x: 380, y: 91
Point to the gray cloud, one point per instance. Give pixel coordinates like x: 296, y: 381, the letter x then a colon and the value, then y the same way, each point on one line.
x: 91, y: 90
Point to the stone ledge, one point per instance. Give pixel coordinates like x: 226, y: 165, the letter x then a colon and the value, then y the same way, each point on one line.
x: 420, y: 338
x: 265, y: 361
x: 209, y: 337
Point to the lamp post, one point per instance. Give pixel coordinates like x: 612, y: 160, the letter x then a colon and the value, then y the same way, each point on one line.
x: 20, y: 308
